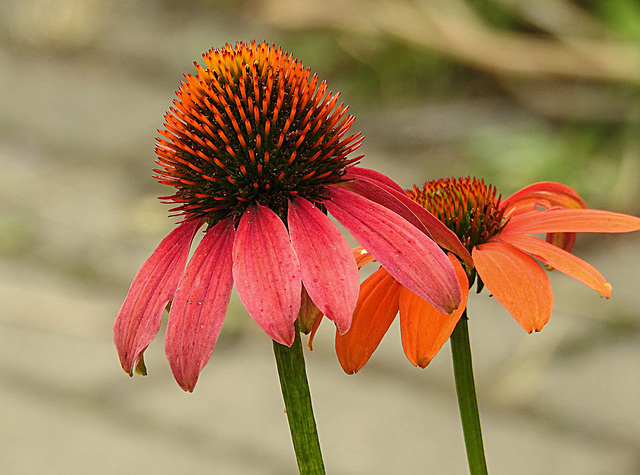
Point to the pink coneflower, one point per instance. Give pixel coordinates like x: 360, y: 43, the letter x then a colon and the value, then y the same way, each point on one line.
x: 258, y: 151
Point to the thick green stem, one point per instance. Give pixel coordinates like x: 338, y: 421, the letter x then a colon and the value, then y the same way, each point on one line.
x: 465, y: 387
x: 297, y: 402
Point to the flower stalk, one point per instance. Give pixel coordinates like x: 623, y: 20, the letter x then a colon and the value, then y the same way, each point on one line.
x: 467, y: 402
x: 297, y: 402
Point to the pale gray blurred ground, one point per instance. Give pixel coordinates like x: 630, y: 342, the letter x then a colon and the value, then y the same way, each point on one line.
x: 80, y: 99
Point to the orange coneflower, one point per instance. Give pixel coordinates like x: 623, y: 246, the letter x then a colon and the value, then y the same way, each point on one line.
x: 498, y: 236
x: 257, y: 149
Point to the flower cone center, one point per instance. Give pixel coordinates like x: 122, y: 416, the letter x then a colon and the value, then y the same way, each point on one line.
x: 252, y: 126
x: 467, y: 206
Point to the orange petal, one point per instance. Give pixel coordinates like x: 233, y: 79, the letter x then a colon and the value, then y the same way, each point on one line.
x: 361, y: 256
x: 545, y: 195
x: 516, y: 281
x: 424, y: 330
x: 376, y: 309
x: 314, y: 329
x: 559, y: 259
x: 541, y: 195
x: 572, y: 221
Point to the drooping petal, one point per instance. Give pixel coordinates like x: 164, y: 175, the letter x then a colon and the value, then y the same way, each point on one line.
x: 559, y: 259
x: 376, y: 309
x: 407, y: 253
x: 545, y: 195
x: 398, y: 201
x: 328, y: 269
x: 516, y: 281
x: 200, y: 305
x: 308, y: 314
x: 424, y: 330
x: 542, y: 195
x: 572, y: 221
x: 152, y: 288
x: 266, y: 273
x: 314, y: 329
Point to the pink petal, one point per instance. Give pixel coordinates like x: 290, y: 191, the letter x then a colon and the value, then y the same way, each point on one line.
x: 266, y: 272
x: 572, y: 221
x: 374, y: 176
x: 406, y: 252
x: 399, y: 202
x: 559, y: 259
x: 200, y: 304
x: 329, y: 271
x: 153, y: 287
x: 517, y: 282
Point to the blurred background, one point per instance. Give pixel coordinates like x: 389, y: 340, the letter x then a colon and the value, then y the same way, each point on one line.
x: 514, y: 91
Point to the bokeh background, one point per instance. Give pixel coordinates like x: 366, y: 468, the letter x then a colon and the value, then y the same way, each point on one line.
x: 515, y: 91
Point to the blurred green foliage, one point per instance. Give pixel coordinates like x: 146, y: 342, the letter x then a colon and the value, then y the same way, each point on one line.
x: 621, y: 16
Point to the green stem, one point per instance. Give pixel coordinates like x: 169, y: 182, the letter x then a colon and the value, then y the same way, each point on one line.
x: 465, y: 387
x: 297, y: 402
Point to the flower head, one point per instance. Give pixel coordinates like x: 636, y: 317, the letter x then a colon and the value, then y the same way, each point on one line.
x: 498, y: 236
x: 258, y: 151
x: 252, y: 127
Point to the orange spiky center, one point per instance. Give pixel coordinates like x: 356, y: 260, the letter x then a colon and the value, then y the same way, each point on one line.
x: 252, y: 126
x: 467, y: 206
